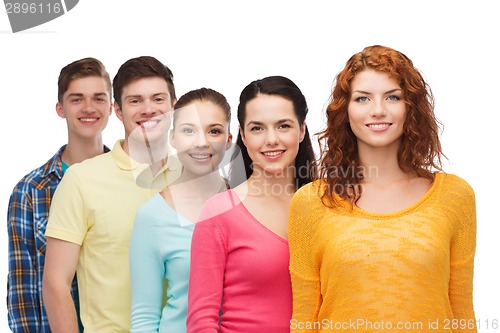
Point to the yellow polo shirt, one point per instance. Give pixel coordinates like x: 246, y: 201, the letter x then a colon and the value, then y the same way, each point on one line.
x: 94, y: 206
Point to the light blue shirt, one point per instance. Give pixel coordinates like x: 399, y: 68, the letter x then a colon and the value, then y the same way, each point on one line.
x: 160, y: 248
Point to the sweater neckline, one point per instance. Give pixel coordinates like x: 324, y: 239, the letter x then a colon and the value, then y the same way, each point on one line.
x: 438, y: 178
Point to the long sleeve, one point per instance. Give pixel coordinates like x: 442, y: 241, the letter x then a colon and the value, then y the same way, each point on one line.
x: 462, y: 249
x: 23, y: 303
x: 147, y: 274
x: 304, y: 270
x: 208, y: 263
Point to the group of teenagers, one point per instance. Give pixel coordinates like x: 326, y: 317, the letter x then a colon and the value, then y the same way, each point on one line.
x: 175, y: 229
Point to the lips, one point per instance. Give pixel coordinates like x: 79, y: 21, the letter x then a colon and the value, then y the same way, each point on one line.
x: 273, y: 153
x: 88, y: 120
x: 378, y: 126
x: 200, y: 156
x: 150, y: 123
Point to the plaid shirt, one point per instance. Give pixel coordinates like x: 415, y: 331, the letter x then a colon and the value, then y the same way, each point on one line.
x: 27, y: 218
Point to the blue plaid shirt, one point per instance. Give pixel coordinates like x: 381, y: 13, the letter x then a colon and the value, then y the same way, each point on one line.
x: 27, y: 218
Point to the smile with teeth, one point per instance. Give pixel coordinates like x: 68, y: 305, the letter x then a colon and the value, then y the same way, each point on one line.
x: 379, y: 125
x: 200, y: 156
x: 88, y: 120
x: 149, y: 123
x: 273, y: 153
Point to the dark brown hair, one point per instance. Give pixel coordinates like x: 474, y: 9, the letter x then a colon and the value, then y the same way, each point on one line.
x: 79, y: 69
x: 138, y: 68
x: 203, y: 94
x: 286, y: 88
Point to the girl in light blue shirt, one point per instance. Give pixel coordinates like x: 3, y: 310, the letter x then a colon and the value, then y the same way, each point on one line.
x: 161, y: 238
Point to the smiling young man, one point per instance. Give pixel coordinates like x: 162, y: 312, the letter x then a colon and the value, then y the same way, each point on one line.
x: 84, y: 100
x: 94, y: 208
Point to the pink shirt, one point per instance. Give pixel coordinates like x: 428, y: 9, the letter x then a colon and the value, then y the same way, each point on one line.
x: 239, y: 280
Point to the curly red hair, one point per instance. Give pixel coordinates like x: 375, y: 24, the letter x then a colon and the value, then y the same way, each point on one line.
x: 420, y: 151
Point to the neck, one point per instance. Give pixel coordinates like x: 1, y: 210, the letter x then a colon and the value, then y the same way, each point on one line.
x: 77, y: 150
x: 154, y: 154
x: 210, y: 183
x: 381, y: 165
x: 262, y: 183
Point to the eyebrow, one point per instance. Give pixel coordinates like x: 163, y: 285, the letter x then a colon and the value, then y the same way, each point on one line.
x: 141, y: 96
x: 209, y: 125
x: 367, y: 93
x: 80, y: 94
x: 281, y: 121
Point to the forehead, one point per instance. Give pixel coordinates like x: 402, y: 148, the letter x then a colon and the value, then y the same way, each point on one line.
x: 269, y: 108
x: 94, y: 84
x: 146, y: 86
x: 200, y: 112
x: 371, y: 80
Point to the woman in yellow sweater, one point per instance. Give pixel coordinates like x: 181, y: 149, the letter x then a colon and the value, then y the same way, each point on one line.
x: 382, y: 242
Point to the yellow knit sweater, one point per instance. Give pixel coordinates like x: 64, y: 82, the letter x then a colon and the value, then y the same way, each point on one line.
x: 407, y: 271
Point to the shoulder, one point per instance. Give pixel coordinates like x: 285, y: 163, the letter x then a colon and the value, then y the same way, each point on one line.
x: 42, y: 176
x: 455, y: 186
x: 308, y: 195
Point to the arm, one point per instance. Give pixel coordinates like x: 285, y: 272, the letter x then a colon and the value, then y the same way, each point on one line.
x: 146, y: 274
x: 61, y: 260
x: 462, y: 250
x: 304, y: 270
x: 22, y: 303
x: 206, y: 279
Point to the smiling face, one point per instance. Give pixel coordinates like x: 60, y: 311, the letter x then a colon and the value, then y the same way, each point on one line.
x: 271, y: 133
x: 376, y: 110
x: 201, y: 137
x: 86, y: 106
x: 146, y: 111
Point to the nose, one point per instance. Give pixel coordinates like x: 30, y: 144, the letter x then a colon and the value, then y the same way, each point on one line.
x: 148, y: 108
x: 379, y: 109
x: 272, y: 138
x: 201, y: 140
x: 89, y: 105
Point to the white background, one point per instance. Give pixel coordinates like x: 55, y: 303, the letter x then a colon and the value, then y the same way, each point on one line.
x: 226, y: 44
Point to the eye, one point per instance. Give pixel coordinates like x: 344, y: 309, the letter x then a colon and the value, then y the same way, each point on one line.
x: 215, y: 131
x: 75, y: 100
x: 134, y: 101
x: 361, y: 99
x: 393, y: 98
x: 187, y: 130
x: 255, y: 128
x: 100, y: 99
x: 284, y: 126
x: 159, y: 99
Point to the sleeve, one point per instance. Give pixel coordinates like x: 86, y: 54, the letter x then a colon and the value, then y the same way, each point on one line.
x: 146, y: 273
x: 67, y: 217
x: 22, y: 285
x: 208, y: 263
x: 304, y: 269
x: 462, y: 251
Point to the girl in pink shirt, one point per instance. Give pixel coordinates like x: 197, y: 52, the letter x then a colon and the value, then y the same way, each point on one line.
x: 239, y: 280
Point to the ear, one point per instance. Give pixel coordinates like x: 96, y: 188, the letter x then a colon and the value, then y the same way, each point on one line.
x: 229, y: 141
x: 303, y: 131
x: 118, y: 111
x: 110, y: 108
x: 242, y: 134
x: 59, y: 110
x: 172, y: 138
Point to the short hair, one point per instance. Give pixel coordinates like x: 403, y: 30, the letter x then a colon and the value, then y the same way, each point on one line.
x: 203, y: 94
x: 80, y: 69
x: 420, y: 150
x: 138, y: 68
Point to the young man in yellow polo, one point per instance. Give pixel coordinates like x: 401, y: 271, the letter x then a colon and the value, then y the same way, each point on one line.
x: 94, y: 207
